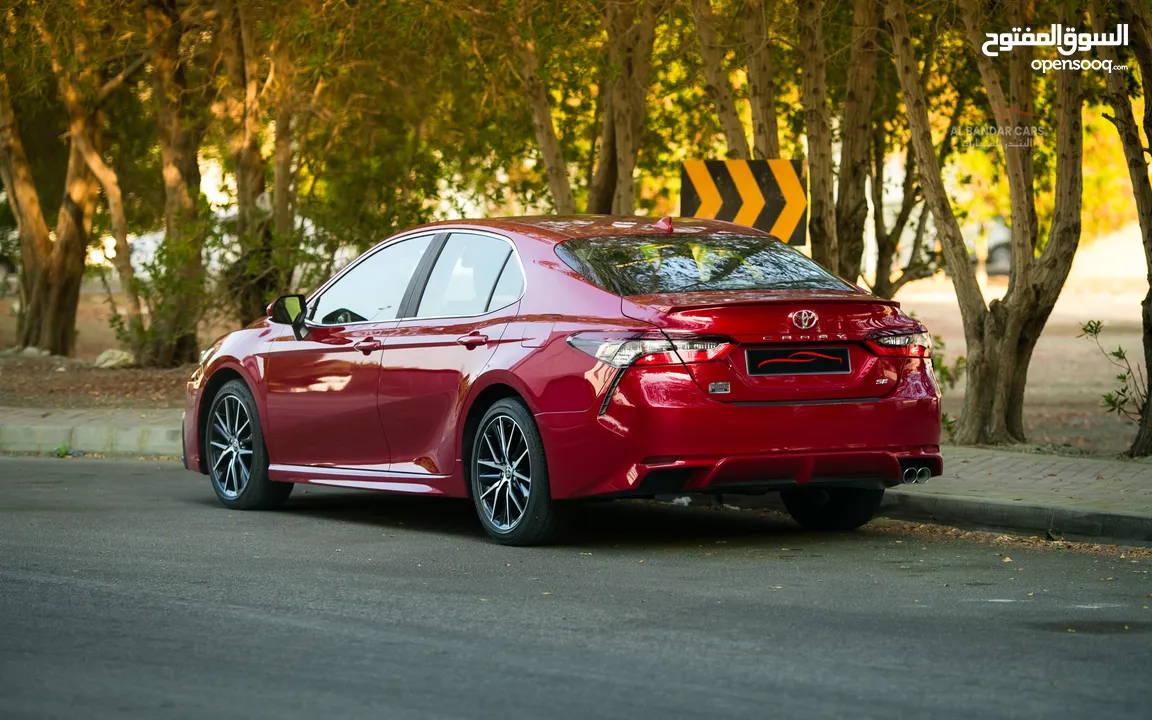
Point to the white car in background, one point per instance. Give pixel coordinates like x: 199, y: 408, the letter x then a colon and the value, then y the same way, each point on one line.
x: 222, y: 252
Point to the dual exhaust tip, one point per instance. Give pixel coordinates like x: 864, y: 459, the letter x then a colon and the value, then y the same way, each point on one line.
x: 913, y: 475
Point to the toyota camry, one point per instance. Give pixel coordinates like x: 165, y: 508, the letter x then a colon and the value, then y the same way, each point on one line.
x: 528, y: 362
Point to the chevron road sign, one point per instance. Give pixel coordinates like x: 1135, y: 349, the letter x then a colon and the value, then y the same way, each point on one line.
x: 765, y: 194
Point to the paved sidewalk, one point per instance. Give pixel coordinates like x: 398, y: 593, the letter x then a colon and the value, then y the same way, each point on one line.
x: 1072, y: 497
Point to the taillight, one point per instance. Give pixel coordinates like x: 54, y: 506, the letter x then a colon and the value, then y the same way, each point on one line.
x: 649, y: 348
x: 916, y: 344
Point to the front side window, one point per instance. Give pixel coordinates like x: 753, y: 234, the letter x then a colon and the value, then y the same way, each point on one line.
x: 374, y: 288
x: 694, y: 263
x: 464, y: 276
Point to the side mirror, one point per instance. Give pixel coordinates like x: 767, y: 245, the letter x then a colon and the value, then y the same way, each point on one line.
x: 288, y: 310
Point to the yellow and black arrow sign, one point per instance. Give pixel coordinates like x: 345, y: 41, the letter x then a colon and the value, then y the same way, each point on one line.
x: 765, y: 194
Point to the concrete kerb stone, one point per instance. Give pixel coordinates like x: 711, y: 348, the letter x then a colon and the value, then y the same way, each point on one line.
x: 33, y: 438
x: 91, y: 438
x: 1060, y: 522
x: 105, y: 439
x: 1071, y: 523
x: 161, y: 441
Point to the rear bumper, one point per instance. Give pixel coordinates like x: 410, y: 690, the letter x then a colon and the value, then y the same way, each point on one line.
x: 660, y: 433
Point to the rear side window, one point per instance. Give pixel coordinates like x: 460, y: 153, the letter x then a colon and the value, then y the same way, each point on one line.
x: 694, y: 263
x: 509, y: 287
x: 464, y: 276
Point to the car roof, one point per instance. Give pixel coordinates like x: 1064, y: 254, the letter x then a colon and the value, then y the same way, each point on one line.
x: 558, y: 228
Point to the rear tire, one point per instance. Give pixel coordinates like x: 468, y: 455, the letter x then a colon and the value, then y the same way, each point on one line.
x: 509, y: 477
x: 235, y: 455
x: 824, y: 509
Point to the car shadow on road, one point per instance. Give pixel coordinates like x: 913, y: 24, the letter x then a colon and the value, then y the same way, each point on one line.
x: 625, y: 523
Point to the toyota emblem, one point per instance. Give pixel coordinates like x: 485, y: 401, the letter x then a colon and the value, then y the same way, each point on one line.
x: 805, y: 319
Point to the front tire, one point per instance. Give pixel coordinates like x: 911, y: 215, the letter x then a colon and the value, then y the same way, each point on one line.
x: 509, y: 477
x: 825, y: 509
x: 235, y: 453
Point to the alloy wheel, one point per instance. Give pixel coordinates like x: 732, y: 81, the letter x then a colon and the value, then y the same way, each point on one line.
x: 504, y: 472
x: 230, y: 446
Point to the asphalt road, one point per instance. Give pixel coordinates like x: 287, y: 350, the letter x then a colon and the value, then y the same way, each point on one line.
x: 127, y: 592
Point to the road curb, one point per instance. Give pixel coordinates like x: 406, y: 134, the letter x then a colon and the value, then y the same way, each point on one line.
x: 1072, y: 523
x: 104, y: 439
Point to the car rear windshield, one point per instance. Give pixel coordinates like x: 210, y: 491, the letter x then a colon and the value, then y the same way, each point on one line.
x: 692, y: 263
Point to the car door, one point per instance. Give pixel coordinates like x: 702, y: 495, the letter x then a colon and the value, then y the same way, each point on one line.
x: 322, y: 385
x: 474, y: 282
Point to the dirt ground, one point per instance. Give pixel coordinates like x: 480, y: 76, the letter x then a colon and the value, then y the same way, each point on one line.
x: 60, y: 383
x: 74, y: 383
x: 1067, y: 378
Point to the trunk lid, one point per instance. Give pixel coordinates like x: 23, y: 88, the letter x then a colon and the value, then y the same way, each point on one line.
x: 791, y: 346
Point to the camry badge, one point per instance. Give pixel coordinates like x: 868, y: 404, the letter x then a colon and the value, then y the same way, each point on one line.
x: 805, y: 319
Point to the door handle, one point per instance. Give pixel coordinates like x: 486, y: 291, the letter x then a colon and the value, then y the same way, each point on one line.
x: 368, y: 345
x: 472, y: 340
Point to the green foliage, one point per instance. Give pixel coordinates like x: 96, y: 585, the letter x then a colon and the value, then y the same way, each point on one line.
x: 1130, y: 398
x: 949, y: 423
x: 947, y: 375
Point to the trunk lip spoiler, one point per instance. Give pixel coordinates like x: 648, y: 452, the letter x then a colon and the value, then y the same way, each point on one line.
x: 654, y: 301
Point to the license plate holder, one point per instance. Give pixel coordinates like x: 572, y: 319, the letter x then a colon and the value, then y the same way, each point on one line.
x: 802, y: 360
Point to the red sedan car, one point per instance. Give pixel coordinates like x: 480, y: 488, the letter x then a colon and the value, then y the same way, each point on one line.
x: 524, y: 362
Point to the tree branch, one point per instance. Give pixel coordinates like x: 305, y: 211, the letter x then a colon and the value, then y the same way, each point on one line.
x: 114, y: 84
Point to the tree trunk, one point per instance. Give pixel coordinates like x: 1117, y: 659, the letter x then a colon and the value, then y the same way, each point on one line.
x: 1019, y: 190
x: 52, y: 270
x: 24, y: 200
x: 976, y: 317
x: 631, y: 33
x: 1001, y: 336
x: 83, y: 126
x: 851, y: 199
x: 254, y: 278
x: 111, y: 183
x: 885, y: 240
x: 179, y: 132
x: 920, y: 265
x: 986, y: 401
x: 603, y: 185
x: 818, y: 128
x: 716, y: 80
x: 540, y: 105
x: 1022, y: 13
x: 1125, y: 121
x: 284, y: 178
x: 51, y: 319
x: 761, y: 84
x: 1052, y: 267
x: 888, y: 239
x: 242, y: 115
